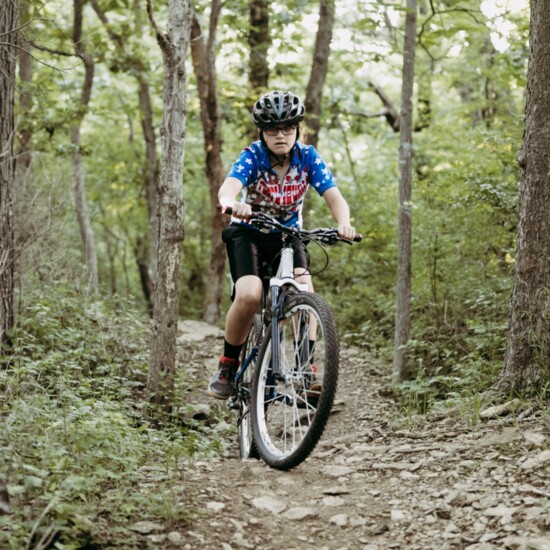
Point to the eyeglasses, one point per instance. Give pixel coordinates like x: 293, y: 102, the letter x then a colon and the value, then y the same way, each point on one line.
x: 287, y: 130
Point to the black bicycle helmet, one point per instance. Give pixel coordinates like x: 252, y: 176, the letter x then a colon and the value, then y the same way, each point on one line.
x: 278, y: 107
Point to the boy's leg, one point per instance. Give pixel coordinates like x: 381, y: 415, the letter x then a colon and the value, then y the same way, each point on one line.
x: 248, y: 296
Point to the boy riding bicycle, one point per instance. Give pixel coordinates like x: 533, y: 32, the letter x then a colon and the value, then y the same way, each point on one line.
x: 273, y: 176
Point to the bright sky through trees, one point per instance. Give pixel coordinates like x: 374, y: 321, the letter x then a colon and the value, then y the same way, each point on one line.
x: 497, y: 11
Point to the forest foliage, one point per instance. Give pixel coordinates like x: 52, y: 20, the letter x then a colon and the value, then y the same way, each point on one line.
x: 469, y: 103
x: 469, y: 100
x: 83, y: 357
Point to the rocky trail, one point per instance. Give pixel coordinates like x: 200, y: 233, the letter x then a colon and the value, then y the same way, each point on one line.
x: 375, y: 481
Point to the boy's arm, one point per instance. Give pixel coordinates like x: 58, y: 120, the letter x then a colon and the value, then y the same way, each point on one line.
x: 340, y: 212
x: 227, y: 195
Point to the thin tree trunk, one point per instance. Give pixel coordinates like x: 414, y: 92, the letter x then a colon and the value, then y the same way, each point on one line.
x: 147, y: 266
x: 151, y: 170
x: 84, y: 223
x: 151, y: 177
x: 425, y: 70
x: 424, y: 100
x: 174, y: 45
x: 527, y: 359
x: 204, y: 65
x: 111, y: 248
x: 319, y: 68
x: 404, y: 252
x: 9, y: 23
x: 24, y: 157
x: 4, y: 495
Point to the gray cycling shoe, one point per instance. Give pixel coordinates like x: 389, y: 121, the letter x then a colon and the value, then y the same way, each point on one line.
x: 221, y: 383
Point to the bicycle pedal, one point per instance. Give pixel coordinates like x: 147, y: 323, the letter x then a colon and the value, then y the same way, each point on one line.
x: 232, y: 404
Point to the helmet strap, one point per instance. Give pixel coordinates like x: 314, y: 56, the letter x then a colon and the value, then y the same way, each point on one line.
x: 279, y: 161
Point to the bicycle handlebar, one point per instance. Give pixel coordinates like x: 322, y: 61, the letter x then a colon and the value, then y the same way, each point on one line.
x: 326, y: 235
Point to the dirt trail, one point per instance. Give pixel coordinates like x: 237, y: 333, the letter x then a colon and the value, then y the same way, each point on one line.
x: 374, y: 482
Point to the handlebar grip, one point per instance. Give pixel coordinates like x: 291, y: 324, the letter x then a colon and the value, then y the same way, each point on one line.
x: 229, y: 211
x: 358, y: 238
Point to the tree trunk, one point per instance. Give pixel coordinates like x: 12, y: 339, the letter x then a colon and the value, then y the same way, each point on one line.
x: 84, y: 223
x: 9, y: 23
x: 258, y: 42
x: 174, y: 44
x: 528, y: 347
x: 319, y: 68
x: 404, y: 247
x: 204, y: 65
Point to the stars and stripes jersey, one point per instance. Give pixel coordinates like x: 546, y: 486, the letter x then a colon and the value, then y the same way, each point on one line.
x: 281, y: 197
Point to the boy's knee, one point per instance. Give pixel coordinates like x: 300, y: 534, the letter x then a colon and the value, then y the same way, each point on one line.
x: 248, y: 299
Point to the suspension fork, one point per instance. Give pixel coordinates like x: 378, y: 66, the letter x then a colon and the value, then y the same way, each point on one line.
x: 285, y: 277
x: 276, y: 313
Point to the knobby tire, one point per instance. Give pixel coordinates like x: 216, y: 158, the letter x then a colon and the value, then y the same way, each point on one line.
x: 289, y: 416
x: 247, y: 448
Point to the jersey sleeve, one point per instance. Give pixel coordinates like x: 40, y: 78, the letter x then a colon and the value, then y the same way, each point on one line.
x: 244, y: 168
x: 321, y: 177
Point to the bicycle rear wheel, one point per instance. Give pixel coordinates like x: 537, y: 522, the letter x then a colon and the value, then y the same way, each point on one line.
x: 247, y: 449
x: 290, y: 413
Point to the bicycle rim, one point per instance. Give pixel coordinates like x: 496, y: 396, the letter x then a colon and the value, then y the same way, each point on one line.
x: 247, y: 448
x: 289, y: 414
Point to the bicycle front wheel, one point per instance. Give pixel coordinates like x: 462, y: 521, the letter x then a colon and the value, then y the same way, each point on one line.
x: 290, y: 410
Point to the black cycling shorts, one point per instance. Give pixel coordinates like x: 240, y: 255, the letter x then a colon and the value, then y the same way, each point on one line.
x: 252, y: 252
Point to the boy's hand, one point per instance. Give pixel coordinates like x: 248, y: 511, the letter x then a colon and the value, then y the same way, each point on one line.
x: 346, y: 232
x: 241, y: 210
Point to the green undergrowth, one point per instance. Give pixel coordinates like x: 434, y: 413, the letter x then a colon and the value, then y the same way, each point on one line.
x: 465, y: 390
x: 84, y: 456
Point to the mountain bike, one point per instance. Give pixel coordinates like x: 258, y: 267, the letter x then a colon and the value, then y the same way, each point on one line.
x: 286, y: 383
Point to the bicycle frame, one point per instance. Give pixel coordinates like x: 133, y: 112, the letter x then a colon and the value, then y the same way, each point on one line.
x: 274, y: 300
x: 253, y: 354
x: 285, y: 276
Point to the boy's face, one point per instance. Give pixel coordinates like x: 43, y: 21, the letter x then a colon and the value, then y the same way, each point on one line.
x: 280, y: 139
